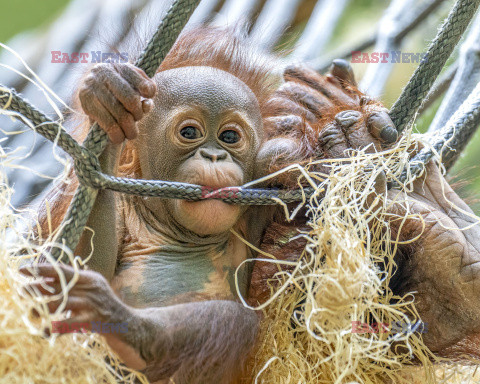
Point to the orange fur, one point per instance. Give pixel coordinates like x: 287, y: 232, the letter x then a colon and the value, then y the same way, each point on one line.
x: 230, y: 52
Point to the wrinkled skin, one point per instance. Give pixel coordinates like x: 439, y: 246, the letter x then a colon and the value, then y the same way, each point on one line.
x: 197, y: 336
x: 326, y: 115
x: 441, y: 267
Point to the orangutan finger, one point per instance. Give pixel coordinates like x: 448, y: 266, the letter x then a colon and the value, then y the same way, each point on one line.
x: 46, y: 287
x: 49, y: 271
x: 313, y: 79
x: 74, y: 304
x: 308, y: 97
x: 123, y: 118
x: 284, y: 124
x: 381, y: 126
x: 333, y: 142
x: 147, y: 105
x: 97, y: 112
x: 283, y: 105
x: 346, y: 119
x: 357, y: 135
x: 343, y: 71
x: 137, y: 78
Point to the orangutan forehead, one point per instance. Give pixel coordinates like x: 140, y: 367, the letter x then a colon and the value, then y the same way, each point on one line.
x: 209, y: 87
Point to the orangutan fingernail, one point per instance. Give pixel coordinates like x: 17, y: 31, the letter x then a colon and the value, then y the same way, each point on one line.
x: 147, y: 105
x: 343, y: 70
x: 380, y: 126
x: 389, y: 134
x: 341, y: 63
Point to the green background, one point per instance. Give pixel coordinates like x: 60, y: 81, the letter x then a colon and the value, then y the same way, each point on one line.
x: 359, y: 20
x: 20, y: 15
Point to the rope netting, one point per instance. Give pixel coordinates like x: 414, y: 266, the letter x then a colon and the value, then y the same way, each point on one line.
x: 361, y: 290
x: 85, y: 157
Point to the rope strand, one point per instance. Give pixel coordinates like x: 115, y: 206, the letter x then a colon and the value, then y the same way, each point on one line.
x: 89, y: 172
x: 407, y: 105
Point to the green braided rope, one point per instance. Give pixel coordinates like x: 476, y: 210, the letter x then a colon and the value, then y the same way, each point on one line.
x: 43, y: 125
x: 89, y: 173
x: 86, y: 162
x: 451, y: 138
x: 162, y: 41
x: 406, y: 106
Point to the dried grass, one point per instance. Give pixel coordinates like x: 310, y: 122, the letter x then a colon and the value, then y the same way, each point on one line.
x: 29, y: 352
x: 343, y: 276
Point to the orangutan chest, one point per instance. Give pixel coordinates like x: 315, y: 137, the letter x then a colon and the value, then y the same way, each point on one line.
x: 159, y: 279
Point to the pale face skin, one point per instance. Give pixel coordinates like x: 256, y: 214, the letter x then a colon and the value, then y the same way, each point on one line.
x: 205, y: 128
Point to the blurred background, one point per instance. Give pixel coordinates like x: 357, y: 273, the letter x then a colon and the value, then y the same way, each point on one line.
x: 299, y: 30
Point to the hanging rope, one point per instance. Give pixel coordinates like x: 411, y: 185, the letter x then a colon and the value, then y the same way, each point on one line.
x: 406, y: 107
x: 87, y: 167
x: 85, y: 157
x: 456, y: 132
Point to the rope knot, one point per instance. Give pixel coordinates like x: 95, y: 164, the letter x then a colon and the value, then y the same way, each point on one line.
x: 88, y: 170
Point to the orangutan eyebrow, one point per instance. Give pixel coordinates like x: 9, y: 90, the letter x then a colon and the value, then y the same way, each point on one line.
x: 239, y: 117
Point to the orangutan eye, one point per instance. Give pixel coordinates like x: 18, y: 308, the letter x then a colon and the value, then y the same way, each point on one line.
x: 191, y: 133
x: 229, y: 136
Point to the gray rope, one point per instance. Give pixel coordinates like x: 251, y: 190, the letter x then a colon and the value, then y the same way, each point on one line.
x: 466, y: 79
x: 439, y: 88
x: 406, y: 106
x: 451, y: 138
x: 84, y: 199
x: 43, y: 125
x: 87, y: 167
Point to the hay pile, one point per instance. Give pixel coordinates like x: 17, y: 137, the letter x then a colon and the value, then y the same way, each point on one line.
x: 27, y: 354
x: 338, y: 281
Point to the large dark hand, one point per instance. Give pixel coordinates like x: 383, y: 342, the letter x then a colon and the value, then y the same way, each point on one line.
x: 324, y: 115
x: 328, y: 116
x: 443, y: 265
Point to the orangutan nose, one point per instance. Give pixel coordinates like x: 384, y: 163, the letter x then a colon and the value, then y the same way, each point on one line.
x: 213, y: 154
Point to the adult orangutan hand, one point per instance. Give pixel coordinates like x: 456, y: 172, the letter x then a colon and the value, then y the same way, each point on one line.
x: 324, y: 116
x: 442, y: 266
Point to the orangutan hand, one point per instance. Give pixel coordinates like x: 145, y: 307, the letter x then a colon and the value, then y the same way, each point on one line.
x: 117, y: 96
x: 91, y: 299
x: 330, y: 111
x: 443, y: 265
x: 329, y: 116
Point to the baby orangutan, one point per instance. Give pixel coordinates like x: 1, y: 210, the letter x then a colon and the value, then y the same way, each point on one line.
x: 211, y: 116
